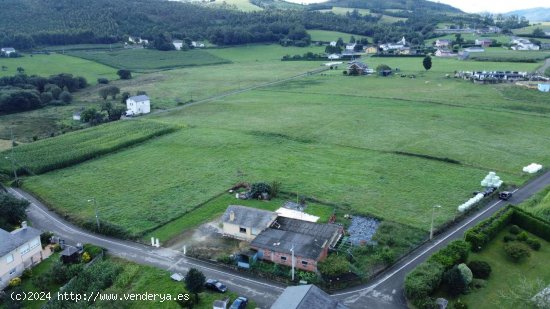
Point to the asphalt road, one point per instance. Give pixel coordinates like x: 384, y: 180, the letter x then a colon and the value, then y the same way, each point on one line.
x: 385, y: 292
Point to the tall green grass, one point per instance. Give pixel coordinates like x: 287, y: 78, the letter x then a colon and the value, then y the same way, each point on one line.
x: 75, y: 147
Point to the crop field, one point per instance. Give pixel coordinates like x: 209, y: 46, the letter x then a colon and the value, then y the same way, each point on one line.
x: 46, y: 65
x: 500, y: 54
x: 389, y: 147
x: 148, y: 60
x: 75, y: 147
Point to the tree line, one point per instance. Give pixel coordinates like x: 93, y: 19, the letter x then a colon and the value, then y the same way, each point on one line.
x: 62, y: 22
x: 21, y: 92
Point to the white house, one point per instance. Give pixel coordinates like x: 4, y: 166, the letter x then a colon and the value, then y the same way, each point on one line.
x: 7, y: 51
x: 19, y: 250
x: 351, y: 46
x: 442, y: 43
x: 136, y: 105
x: 444, y: 53
x: 333, y: 43
x: 177, y: 44
x: 197, y: 44
x: 137, y: 40
x: 334, y: 57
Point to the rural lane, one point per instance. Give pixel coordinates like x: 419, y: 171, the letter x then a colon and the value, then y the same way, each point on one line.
x: 386, y: 291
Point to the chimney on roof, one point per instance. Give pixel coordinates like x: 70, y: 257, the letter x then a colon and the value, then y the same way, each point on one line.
x: 232, y: 216
x: 24, y: 224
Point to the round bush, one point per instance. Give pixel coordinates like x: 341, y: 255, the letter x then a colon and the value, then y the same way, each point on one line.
x: 514, y: 229
x: 523, y: 236
x: 480, y: 269
x: 516, y: 251
x: 533, y: 243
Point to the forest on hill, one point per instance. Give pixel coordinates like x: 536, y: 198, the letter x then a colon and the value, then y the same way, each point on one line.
x: 62, y: 22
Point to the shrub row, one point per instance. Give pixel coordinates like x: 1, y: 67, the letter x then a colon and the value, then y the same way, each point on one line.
x: 530, y: 223
x: 426, y: 278
x: 480, y: 235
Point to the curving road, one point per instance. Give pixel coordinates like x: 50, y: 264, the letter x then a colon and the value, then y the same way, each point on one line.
x: 385, y: 292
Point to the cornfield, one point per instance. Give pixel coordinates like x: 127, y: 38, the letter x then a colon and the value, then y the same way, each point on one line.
x: 75, y: 147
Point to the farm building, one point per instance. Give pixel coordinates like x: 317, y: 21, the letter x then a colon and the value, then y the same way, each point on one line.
x: 177, y: 44
x: 442, y: 43
x: 351, y: 46
x: 7, y: 51
x: 306, y: 297
x: 19, y: 250
x: 371, y: 50
x: 309, y: 241
x: 484, y: 42
x: 137, y: 105
x: 544, y: 87
x: 245, y: 223
x: 76, y: 116
x: 474, y: 49
x: 444, y: 53
x: 334, y: 56
x: 523, y: 44
x: 358, y: 68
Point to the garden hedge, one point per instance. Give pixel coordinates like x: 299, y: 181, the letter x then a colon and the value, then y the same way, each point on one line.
x: 486, y: 230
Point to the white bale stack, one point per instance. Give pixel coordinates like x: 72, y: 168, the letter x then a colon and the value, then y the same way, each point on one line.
x: 532, y: 168
x: 491, y: 181
x: 470, y: 202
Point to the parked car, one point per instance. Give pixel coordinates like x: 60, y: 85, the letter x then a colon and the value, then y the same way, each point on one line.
x: 239, y: 303
x: 505, y: 195
x: 215, y: 285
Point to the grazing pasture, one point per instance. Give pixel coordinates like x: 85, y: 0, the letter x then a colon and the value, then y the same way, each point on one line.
x: 148, y: 60
x: 46, y: 65
x: 387, y: 147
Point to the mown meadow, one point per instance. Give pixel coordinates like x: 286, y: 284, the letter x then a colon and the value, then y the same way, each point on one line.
x: 387, y: 147
x: 148, y: 60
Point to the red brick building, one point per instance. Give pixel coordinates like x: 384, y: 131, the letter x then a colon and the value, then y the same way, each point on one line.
x: 310, y: 242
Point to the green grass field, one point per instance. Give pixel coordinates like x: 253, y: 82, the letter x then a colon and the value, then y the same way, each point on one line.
x: 250, y: 65
x: 501, y: 54
x: 508, y: 277
x: 243, y: 5
x: 65, y: 48
x: 147, y: 60
x: 75, y: 147
x: 328, y: 36
x: 501, y: 38
x: 539, y: 205
x: 46, y: 65
x: 335, y: 138
x: 529, y: 30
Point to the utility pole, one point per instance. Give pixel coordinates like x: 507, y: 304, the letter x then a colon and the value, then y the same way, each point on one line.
x: 96, y: 216
x: 13, y: 157
x: 432, y: 226
x: 292, y: 261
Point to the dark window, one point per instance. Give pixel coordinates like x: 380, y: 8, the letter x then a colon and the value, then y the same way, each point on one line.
x: 242, y: 230
x: 304, y: 263
x: 283, y: 258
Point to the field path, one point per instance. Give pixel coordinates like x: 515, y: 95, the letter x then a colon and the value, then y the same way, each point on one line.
x: 544, y: 67
x: 242, y: 90
x: 386, y: 291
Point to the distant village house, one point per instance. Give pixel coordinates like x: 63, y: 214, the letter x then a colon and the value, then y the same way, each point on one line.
x: 177, y: 44
x: 7, y: 51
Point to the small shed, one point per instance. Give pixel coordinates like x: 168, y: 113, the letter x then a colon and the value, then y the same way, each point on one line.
x: 544, y: 87
x: 70, y: 255
x: 76, y: 116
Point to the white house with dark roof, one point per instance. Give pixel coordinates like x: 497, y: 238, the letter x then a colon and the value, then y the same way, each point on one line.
x: 7, y: 51
x: 137, y: 105
x: 177, y: 44
x: 246, y: 223
x: 19, y: 250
